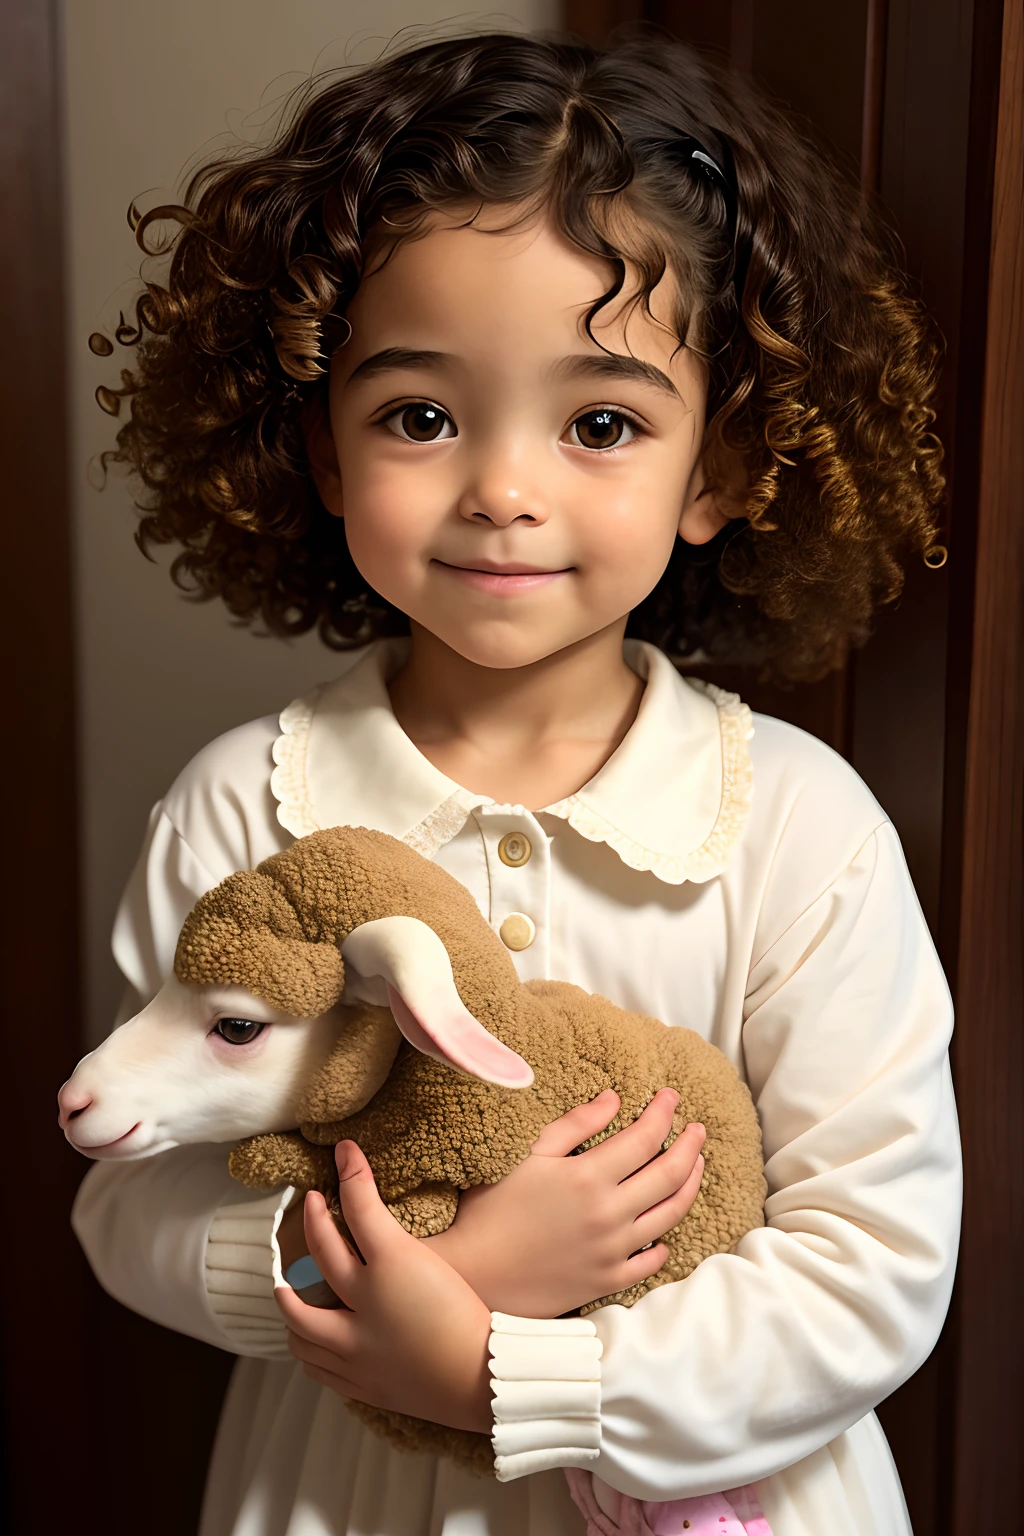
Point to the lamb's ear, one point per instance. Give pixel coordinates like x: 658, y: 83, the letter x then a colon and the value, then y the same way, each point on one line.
x: 411, y: 959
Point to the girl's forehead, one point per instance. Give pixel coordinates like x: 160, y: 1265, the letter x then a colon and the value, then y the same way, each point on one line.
x: 496, y: 278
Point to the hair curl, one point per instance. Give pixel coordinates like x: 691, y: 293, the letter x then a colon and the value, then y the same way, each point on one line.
x: 821, y: 365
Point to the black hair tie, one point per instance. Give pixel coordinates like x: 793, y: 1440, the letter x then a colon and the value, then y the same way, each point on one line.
x: 696, y: 157
x: 705, y: 159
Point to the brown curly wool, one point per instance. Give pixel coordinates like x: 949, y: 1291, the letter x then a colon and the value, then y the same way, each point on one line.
x: 427, y: 1130
x: 216, y: 946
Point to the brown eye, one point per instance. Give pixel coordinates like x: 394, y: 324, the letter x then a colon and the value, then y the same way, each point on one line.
x: 422, y: 423
x: 238, y: 1031
x: 601, y: 429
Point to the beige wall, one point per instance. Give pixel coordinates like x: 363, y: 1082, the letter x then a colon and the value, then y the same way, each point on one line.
x: 151, y: 85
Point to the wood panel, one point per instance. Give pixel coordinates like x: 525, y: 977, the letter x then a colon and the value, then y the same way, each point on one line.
x: 46, y: 1384
x: 105, y: 1414
x: 989, y: 1434
x: 813, y: 58
x: 898, y: 687
x: 910, y: 688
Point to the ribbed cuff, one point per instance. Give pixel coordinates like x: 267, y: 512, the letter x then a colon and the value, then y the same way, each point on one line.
x: 546, y: 1380
x: 243, y: 1265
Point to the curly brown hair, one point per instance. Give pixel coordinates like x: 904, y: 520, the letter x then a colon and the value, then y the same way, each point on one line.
x: 821, y: 365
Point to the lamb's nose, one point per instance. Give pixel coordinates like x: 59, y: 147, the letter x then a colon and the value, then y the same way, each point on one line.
x: 71, y: 1103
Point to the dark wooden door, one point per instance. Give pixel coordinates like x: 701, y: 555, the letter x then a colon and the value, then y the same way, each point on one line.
x: 924, y: 99
x: 107, y: 1420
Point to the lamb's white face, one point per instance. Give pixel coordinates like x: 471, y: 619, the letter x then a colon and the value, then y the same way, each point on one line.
x: 197, y: 1064
x: 206, y: 1063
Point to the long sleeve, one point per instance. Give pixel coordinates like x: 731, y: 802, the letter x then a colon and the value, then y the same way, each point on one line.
x: 767, y: 1353
x: 146, y: 1230
x: 546, y: 1382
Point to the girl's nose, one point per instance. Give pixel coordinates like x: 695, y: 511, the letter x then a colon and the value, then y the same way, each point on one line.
x: 71, y: 1102
x: 502, y: 499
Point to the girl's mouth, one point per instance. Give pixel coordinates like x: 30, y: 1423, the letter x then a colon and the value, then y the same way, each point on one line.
x: 502, y: 580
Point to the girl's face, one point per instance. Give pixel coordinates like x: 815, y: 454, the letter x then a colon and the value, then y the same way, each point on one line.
x: 505, y: 482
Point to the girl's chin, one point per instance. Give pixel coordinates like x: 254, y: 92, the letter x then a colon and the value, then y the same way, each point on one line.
x: 505, y: 651
x: 542, y: 626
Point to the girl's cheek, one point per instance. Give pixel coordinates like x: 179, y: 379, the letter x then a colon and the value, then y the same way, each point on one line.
x: 628, y: 528
x: 389, y: 532
x: 385, y: 496
x: 401, y: 498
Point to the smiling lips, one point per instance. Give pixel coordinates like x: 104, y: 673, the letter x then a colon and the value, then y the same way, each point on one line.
x: 106, y: 1146
x: 502, y: 580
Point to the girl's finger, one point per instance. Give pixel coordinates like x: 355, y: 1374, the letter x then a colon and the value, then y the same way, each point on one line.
x: 564, y: 1135
x: 666, y: 1173
x: 628, y: 1150
x: 316, y: 1354
x: 366, y: 1216
x: 331, y: 1329
x: 328, y: 1249
x: 661, y: 1218
x: 641, y: 1266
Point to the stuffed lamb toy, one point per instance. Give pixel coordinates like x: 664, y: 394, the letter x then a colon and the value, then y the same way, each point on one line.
x: 350, y: 989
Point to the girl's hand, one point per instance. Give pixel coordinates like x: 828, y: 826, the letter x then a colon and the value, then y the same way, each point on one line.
x: 559, y: 1231
x: 413, y: 1335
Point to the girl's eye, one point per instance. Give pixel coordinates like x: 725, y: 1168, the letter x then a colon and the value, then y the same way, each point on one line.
x: 602, y: 429
x: 238, y: 1031
x: 421, y: 423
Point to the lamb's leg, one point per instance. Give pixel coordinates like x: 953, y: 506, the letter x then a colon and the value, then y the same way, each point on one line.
x: 427, y: 1210
x: 271, y: 1162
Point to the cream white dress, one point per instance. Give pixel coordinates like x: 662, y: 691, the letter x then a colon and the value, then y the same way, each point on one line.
x: 728, y: 874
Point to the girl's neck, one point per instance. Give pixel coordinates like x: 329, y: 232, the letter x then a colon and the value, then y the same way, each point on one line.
x: 524, y: 735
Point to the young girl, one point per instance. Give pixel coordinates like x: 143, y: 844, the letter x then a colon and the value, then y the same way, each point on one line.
x: 522, y: 368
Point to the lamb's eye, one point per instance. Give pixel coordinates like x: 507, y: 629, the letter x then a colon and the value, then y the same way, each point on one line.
x: 238, y: 1031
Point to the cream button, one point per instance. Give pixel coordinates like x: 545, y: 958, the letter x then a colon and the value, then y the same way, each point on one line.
x: 515, y: 849
x: 517, y: 931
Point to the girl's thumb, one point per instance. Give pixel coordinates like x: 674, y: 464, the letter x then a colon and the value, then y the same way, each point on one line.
x: 364, y: 1211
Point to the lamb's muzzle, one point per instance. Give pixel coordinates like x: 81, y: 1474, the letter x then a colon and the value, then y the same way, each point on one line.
x: 167, y: 1078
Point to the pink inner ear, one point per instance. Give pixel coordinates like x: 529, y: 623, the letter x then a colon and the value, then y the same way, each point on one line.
x: 449, y: 1033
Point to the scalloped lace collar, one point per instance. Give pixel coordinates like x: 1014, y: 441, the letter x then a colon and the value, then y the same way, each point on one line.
x: 673, y: 798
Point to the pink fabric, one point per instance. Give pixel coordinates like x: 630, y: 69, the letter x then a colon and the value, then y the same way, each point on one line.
x: 735, y: 1513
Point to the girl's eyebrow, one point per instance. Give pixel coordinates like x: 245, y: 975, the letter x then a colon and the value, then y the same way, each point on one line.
x: 608, y: 365
x: 613, y: 365
x: 391, y: 358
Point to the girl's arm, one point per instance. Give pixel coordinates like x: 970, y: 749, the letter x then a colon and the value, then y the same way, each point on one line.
x: 173, y: 1236
x: 170, y: 1237
x: 767, y: 1353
